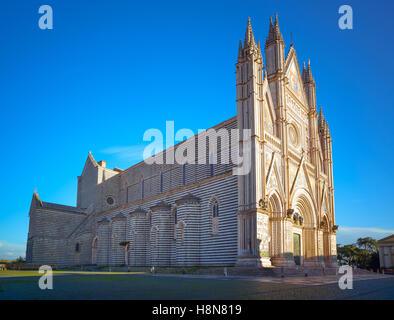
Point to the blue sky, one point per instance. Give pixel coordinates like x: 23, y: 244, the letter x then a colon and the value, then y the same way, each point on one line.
x: 109, y: 70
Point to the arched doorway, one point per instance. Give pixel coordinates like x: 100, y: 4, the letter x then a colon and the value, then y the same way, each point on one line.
x: 276, y: 230
x: 297, y: 230
x: 307, y: 228
x: 297, y: 248
x: 94, y: 250
x: 127, y: 254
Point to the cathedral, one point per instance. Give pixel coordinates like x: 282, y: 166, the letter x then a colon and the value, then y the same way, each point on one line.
x: 279, y: 213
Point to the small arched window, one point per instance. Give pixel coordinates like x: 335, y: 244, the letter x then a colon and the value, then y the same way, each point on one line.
x: 215, y: 217
x: 211, y: 163
x: 154, y: 232
x: 77, y: 247
x: 175, y: 221
x: 184, y: 174
x: 215, y: 208
x: 180, y: 227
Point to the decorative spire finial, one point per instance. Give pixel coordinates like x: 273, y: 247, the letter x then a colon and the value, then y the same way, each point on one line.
x: 274, y: 31
x: 249, y: 37
x: 307, y: 74
x: 322, y: 121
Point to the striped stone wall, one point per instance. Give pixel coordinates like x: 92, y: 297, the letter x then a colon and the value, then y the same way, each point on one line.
x: 188, y: 231
x: 138, y: 218
x: 138, y: 237
x: 161, y: 234
x: 118, y: 239
x: 103, y: 246
x: 155, y: 239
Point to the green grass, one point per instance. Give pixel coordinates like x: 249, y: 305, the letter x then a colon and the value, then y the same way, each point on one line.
x: 33, y: 273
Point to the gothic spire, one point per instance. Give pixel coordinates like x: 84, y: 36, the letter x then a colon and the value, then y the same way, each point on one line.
x: 249, y: 36
x: 271, y: 26
x: 258, y: 48
x: 274, y: 31
x: 322, y: 120
x: 240, y: 48
x: 307, y: 73
x: 276, y: 24
x: 327, y: 130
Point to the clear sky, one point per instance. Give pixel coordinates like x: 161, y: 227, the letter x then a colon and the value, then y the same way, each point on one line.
x: 109, y: 70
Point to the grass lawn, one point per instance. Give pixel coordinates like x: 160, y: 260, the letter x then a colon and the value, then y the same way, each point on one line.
x: 34, y: 273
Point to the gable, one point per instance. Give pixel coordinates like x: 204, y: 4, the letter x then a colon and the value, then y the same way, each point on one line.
x: 273, y: 179
x: 90, y: 164
x: 299, y: 179
x: 389, y: 240
x: 293, y: 74
x: 268, y: 119
x: 324, y: 207
x: 268, y: 109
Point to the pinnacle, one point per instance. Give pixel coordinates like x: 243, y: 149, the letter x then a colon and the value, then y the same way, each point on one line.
x: 307, y: 73
x: 274, y: 30
x: 249, y: 37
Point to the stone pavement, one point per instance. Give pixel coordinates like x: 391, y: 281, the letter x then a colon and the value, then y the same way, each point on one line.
x: 133, y: 286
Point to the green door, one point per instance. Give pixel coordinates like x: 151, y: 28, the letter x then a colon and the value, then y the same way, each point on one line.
x: 296, y: 248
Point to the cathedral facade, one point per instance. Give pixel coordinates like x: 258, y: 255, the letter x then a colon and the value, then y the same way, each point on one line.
x: 279, y: 213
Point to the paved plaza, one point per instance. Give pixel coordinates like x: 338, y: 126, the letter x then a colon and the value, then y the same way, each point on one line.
x: 106, y: 285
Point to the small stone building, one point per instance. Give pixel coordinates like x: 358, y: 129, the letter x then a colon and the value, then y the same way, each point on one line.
x: 386, y: 252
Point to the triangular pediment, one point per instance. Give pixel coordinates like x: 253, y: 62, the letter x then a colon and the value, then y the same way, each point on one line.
x: 293, y: 74
x: 274, y: 181
x: 388, y: 240
x: 300, y: 179
x: 269, y: 116
x: 325, y: 208
x: 89, y: 164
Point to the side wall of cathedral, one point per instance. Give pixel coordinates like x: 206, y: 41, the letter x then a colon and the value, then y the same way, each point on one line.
x: 52, y: 239
x: 173, y: 229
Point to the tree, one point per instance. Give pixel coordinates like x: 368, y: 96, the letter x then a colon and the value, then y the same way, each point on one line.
x: 348, y: 254
x: 18, y: 260
x: 4, y: 261
x: 368, y: 244
x: 364, y: 254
